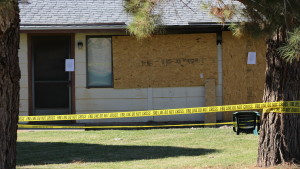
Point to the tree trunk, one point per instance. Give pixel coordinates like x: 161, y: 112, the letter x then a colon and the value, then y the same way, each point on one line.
x: 9, y: 82
x: 279, y: 141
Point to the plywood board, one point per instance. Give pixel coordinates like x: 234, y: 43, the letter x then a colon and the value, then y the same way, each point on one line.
x: 164, y: 60
x: 242, y: 82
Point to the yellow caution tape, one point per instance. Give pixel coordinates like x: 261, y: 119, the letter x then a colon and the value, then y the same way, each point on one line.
x: 282, y: 110
x: 27, y: 126
x: 281, y: 106
x: 106, y: 127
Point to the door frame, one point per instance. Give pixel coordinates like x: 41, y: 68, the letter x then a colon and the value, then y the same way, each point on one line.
x: 30, y: 71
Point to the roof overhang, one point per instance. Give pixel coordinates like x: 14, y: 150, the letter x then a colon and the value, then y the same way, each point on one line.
x: 210, y: 23
x: 84, y: 26
x: 120, y: 28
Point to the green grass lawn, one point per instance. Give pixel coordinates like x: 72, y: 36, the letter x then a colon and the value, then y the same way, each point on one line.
x: 133, y: 149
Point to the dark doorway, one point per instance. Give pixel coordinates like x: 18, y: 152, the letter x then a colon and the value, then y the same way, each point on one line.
x: 51, y: 84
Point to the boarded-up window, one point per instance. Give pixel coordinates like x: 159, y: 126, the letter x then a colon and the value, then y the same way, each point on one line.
x: 99, y: 62
x: 181, y: 60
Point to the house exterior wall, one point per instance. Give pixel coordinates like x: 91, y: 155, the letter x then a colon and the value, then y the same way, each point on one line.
x: 131, y: 98
x: 23, y: 62
x: 242, y: 82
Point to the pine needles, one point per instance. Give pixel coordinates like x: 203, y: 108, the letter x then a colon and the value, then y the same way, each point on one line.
x: 291, y: 50
x: 144, y: 22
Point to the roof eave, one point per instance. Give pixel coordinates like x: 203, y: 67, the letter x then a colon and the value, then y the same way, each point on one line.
x: 85, y: 26
x: 193, y: 26
x: 210, y: 23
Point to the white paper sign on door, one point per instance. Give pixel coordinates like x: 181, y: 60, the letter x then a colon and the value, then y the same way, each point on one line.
x: 70, y: 67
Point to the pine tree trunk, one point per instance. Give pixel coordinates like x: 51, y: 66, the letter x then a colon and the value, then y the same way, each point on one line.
x: 279, y: 141
x: 9, y: 82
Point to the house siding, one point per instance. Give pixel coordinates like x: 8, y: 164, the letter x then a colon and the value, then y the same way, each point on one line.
x: 23, y: 62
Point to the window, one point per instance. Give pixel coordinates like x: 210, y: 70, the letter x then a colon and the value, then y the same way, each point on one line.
x: 99, y: 62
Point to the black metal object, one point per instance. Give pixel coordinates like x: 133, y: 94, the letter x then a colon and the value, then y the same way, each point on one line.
x: 246, y: 121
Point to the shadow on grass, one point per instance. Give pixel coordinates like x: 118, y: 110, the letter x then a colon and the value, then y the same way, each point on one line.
x: 56, y: 153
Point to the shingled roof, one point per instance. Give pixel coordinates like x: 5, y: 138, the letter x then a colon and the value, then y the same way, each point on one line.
x: 75, y: 14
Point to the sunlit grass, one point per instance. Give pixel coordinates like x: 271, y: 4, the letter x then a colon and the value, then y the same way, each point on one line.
x: 159, y: 148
